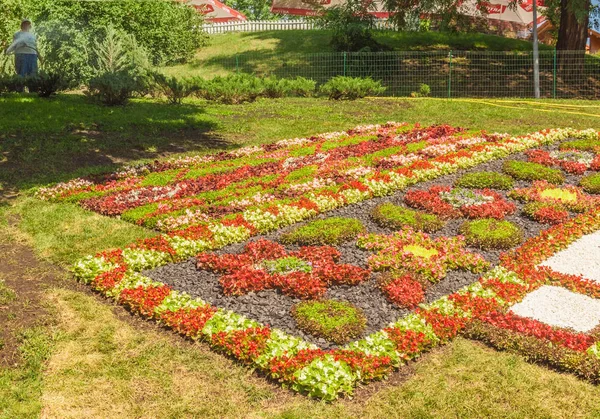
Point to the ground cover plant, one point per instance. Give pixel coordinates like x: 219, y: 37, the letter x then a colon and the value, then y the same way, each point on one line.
x: 533, y: 171
x: 485, y: 180
x: 337, y: 321
x: 591, y: 183
x: 332, y: 230
x: 489, y: 233
x: 288, y: 359
x: 396, y: 217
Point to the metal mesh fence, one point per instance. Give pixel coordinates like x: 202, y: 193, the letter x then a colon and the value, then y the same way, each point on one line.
x: 563, y: 74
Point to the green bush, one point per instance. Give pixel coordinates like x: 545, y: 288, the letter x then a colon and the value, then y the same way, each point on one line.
x: 301, y: 87
x: 114, y: 89
x: 334, y: 230
x: 335, y: 321
x: 482, y: 180
x: 46, y: 84
x: 351, y: 24
x: 274, y: 87
x: 11, y: 83
x: 583, y: 145
x: 170, y: 31
x: 533, y: 171
x: 591, y: 183
x: 174, y: 89
x: 396, y: 217
x: 424, y: 91
x: 489, y: 233
x: 233, y: 89
x: 350, y: 88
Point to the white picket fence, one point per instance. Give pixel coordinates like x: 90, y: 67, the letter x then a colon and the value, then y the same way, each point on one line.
x: 270, y: 25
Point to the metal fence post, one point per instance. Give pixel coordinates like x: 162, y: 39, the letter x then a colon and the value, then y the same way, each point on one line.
x: 554, y: 76
x: 450, y: 76
x: 237, y: 64
x: 345, y: 64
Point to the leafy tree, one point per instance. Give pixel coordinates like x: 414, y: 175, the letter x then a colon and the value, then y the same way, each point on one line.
x: 351, y: 25
x: 253, y: 9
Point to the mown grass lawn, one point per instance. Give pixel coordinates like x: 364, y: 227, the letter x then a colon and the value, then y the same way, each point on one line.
x: 267, y: 50
x: 89, y: 358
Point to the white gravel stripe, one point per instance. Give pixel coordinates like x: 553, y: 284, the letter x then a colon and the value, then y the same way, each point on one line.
x: 560, y: 307
x: 582, y: 257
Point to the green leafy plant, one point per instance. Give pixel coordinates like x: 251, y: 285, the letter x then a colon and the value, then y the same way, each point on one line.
x: 350, y: 88
x: 114, y: 89
x: 483, y: 180
x: 532, y: 171
x: 351, y: 24
x: 424, y: 91
x: 233, y: 89
x: 118, y: 51
x: 489, y: 233
x: 591, y: 183
x: 334, y: 230
x: 335, y: 321
x: 174, y: 89
x: 46, y: 84
x: 397, y: 217
x: 301, y: 87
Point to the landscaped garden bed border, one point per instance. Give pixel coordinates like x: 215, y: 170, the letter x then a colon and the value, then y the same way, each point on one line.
x: 303, y: 367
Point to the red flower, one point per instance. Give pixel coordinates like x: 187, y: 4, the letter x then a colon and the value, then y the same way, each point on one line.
x: 144, y: 300
x: 244, y: 345
x: 576, y: 341
x: 404, y: 291
x: 188, y: 322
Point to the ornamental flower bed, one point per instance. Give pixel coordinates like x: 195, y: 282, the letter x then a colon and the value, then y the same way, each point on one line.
x: 262, y: 184
x: 300, y: 365
x: 446, y: 202
x: 303, y: 274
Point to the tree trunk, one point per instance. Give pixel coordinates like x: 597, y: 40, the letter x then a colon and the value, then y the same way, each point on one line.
x: 571, y: 43
x: 573, y: 30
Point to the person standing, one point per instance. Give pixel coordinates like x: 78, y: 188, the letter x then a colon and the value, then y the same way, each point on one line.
x: 24, y: 47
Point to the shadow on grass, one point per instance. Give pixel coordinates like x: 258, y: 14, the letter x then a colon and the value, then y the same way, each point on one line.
x: 46, y: 141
